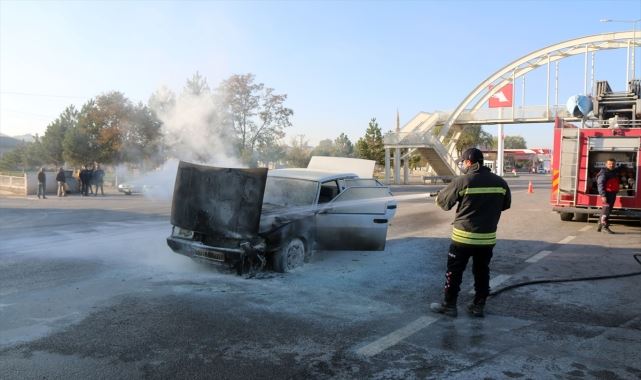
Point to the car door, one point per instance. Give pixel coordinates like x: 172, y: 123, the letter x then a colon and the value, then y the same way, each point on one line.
x: 356, y: 219
x: 371, y: 182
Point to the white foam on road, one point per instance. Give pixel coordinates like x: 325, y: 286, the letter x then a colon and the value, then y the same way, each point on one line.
x: 567, y: 239
x: 538, y: 256
x: 395, y: 337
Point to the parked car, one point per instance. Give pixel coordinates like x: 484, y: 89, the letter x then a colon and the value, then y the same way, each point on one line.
x: 252, y: 218
x: 71, y: 183
x: 133, y: 188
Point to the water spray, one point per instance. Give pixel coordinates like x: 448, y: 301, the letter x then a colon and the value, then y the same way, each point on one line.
x: 325, y: 207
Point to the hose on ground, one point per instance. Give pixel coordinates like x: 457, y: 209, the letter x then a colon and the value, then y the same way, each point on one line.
x: 636, y: 256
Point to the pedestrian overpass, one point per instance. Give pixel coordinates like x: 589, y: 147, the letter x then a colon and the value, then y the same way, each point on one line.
x: 427, y: 133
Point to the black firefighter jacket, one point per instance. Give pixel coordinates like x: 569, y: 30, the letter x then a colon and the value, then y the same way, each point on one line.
x: 481, y: 196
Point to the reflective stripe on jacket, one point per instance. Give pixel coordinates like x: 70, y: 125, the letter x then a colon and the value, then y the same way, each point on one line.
x: 480, y: 196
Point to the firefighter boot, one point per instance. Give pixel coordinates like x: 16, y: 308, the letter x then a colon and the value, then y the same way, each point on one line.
x: 444, y: 308
x: 448, y: 306
x: 476, y: 307
x: 607, y: 229
x: 598, y: 229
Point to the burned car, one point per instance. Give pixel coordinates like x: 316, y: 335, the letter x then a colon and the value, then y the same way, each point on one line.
x: 254, y: 218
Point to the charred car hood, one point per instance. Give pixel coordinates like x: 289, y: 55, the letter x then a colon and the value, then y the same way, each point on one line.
x: 218, y: 201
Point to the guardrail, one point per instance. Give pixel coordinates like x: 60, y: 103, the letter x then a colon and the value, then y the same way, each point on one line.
x: 14, y: 184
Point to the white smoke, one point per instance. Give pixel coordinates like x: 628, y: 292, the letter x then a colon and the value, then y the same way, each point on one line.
x: 193, y: 128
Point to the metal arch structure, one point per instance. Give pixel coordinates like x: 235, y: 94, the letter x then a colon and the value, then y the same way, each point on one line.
x: 518, y: 68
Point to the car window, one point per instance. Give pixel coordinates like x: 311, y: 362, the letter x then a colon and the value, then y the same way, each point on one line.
x: 361, y: 200
x: 289, y: 192
x: 328, y: 191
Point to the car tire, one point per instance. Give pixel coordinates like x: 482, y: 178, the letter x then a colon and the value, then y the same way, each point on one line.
x: 290, y: 256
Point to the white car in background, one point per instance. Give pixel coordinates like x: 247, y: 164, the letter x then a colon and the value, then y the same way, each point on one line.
x: 133, y: 188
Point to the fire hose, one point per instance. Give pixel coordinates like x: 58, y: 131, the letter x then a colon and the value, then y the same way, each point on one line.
x: 636, y: 256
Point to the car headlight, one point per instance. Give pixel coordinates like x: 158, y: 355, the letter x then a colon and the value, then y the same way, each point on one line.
x: 182, y: 233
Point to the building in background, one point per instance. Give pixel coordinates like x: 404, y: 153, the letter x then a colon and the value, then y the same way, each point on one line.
x: 535, y: 160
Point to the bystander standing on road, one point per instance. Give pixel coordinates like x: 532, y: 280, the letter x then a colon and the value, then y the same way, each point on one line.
x: 98, y: 180
x: 90, y: 179
x: 481, y: 197
x: 42, y: 180
x: 60, y: 178
x: 608, y: 183
x: 84, y: 182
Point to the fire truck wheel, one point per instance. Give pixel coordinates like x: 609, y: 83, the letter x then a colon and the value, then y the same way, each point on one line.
x: 580, y: 217
x: 566, y: 216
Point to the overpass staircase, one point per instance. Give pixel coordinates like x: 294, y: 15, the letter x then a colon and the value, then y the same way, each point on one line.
x: 421, y: 136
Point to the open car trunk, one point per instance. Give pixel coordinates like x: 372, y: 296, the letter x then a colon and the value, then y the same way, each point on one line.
x: 218, y: 201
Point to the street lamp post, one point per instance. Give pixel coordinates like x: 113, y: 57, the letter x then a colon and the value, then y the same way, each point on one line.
x: 634, y: 45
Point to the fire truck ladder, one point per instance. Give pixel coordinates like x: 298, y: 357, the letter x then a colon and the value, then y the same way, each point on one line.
x: 568, y: 166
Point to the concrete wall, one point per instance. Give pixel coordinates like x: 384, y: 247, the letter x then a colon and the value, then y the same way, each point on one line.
x: 28, y: 184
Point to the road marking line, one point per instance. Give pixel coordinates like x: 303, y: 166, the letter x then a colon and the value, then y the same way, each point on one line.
x: 501, y: 278
x: 586, y: 228
x: 393, y: 338
x: 538, y: 256
x: 567, y: 239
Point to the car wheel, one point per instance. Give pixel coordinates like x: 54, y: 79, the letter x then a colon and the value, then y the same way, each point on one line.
x: 290, y: 256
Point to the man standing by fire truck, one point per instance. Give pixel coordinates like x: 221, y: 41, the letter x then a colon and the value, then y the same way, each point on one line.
x: 481, y: 197
x: 608, y: 184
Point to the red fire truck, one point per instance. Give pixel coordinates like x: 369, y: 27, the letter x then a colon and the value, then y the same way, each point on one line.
x: 581, y: 151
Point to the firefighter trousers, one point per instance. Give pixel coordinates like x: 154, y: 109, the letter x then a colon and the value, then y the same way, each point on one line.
x: 457, y: 259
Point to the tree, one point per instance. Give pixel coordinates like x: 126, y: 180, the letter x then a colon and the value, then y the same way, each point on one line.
x: 163, y: 100
x: 272, y: 155
x: 197, y: 85
x: 472, y: 136
x: 15, y: 159
x: 77, y: 146
x: 111, y: 129
x: 256, y: 114
x: 141, y: 138
x: 193, y: 126
x: 324, y: 148
x: 514, y: 142
x: 52, y: 141
x: 344, y: 147
x: 414, y: 161
x: 371, y: 146
x: 298, y: 155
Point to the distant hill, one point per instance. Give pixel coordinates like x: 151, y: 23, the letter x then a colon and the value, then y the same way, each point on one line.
x: 25, y: 138
x: 7, y: 142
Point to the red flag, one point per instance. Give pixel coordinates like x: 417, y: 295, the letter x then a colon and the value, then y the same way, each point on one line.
x: 502, y: 98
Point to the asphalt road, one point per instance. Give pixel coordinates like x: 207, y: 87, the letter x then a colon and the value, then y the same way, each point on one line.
x: 89, y: 289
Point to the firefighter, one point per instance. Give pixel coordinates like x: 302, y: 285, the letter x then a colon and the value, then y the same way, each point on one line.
x: 481, y: 197
x: 608, y: 183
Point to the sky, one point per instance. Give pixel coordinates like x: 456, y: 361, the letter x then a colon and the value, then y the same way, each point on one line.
x: 340, y: 63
